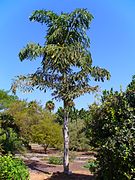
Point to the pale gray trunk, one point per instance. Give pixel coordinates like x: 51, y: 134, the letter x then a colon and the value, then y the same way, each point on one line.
x: 66, y: 141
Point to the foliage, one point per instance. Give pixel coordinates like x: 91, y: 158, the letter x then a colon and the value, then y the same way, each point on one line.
x: 13, y: 168
x: 91, y: 127
x: 78, y: 140
x: 60, y: 116
x: 130, y: 92
x: 36, y: 124
x: 91, y: 165
x: 6, y: 100
x: 25, y: 115
x: 77, y: 130
x: 55, y: 160
x: 47, y: 132
x: 113, y: 132
x: 74, y: 114
x: 9, y: 136
x: 66, y: 47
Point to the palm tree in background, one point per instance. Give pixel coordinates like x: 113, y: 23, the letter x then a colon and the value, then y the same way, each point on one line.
x: 50, y: 106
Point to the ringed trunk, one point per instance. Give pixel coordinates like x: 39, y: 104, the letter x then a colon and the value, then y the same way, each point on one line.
x: 66, y: 141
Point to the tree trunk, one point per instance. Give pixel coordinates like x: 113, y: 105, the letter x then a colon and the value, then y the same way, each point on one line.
x: 45, y: 148
x: 7, y: 135
x: 66, y: 141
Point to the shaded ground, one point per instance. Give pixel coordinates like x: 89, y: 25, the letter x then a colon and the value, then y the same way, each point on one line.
x: 40, y: 171
x: 74, y: 176
x: 47, y: 168
x: 60, y: 176
x: 39, y: 168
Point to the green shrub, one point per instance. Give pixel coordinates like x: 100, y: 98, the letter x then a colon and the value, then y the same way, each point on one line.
x: 55, y: 160
x: 114, y: 134
x: 12, y: 169
x: 91, y: 165
x: 10, y: 139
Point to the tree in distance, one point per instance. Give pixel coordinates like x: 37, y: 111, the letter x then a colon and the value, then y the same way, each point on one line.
x: 66, y: 67
x: 50, y: 106
x: 47, y: 132
x: 6, y: 100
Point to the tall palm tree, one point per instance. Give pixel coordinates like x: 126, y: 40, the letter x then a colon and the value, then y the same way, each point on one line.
x: 50, y: 105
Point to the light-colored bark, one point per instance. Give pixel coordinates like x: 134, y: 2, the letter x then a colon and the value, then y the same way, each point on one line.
x: 66, y: 141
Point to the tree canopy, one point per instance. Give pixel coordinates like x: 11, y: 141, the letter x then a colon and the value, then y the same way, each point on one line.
x: 6, y: 100
x: 66, y: 65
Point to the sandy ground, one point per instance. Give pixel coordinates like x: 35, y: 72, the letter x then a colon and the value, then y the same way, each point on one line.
x: 38, y: 176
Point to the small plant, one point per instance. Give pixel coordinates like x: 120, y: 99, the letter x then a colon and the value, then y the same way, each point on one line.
x: 55, y: 160
x: 91, y: 165
x: 13, y: 168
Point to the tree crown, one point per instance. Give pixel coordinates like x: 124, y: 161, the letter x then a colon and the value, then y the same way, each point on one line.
x: 66, y: 66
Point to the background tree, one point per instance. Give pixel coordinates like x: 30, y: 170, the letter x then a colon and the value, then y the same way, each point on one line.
x: 66, y: 66
x: 6, y: 100
x: 60, y: 116
x: 77, y: 128
x: 47, y: 133
x: 78, y: 139
x: 73, y: 114
x: 50, y: 105
x: 25, y: 115
x: 36, y: 124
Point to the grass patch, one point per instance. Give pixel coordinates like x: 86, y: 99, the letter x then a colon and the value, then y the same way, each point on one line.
x: 91, y: 165
x: 55, y: 160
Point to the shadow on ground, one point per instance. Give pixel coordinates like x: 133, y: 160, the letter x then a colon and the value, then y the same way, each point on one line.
x: 73, y: 176
x: 39, y: 167
x: 54, y: 172
x: 92, y: 153
x: 41, y: 150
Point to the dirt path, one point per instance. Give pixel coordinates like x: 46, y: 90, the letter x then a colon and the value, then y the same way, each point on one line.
x: 38, y: 176
x: 41, y: 170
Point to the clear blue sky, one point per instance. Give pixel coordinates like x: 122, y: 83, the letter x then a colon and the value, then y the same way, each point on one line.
x: 112, y: 35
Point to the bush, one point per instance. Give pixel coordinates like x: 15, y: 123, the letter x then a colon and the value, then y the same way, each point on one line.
x: 13, y: 168
x: 55, y: 160
x: 10, y: 140
x: 114, y: 134
x: 91, y: 165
